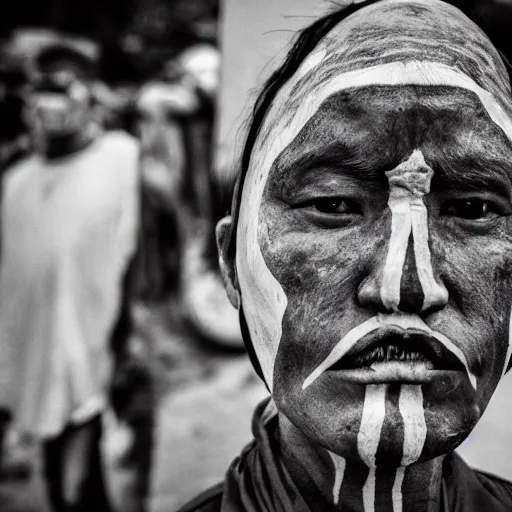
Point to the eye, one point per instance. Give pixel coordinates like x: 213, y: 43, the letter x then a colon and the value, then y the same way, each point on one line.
x: 471, y: 209
x: 334, y: 205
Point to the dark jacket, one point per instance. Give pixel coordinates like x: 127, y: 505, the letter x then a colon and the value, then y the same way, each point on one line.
x: 257, y: 482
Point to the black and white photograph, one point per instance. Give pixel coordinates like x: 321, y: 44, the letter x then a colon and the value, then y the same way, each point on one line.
x: 256, y: 256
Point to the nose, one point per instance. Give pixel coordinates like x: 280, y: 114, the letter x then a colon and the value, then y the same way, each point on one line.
x: 398, y: 288
x: 403, y: 279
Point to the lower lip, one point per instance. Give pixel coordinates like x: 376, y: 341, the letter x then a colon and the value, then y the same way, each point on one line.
x: 402, y: 372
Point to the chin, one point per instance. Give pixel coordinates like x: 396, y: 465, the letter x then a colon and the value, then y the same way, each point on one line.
x: 448, y: 426
x: 330, y: 414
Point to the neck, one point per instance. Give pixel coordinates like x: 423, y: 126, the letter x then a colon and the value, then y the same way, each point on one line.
x: 329, y: 482
x: 64, y: 145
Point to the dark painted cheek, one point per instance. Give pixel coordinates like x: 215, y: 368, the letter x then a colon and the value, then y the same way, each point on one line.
x: 477, y: 271
x: 320, y: 283
x: 451, y: 413
x: 320, y: 271
x: 306, y: 261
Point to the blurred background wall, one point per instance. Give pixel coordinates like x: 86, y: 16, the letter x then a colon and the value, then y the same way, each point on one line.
x: 254, y: 36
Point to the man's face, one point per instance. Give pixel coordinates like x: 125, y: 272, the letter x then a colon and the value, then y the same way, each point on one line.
x: 59, y: 104
x: 324, y: 233
x: 374, y: 261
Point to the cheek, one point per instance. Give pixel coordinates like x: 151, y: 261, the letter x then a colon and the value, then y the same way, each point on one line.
x: 477, y: 273
x: 292, y: 279
x: 316, y: 275
x: 319, y: 272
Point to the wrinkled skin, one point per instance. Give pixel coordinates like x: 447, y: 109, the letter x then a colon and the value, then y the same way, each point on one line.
x: 330, y: 264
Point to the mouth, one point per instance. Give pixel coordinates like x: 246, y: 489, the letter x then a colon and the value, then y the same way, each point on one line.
x: 53, y: 120
x: 394, y: 354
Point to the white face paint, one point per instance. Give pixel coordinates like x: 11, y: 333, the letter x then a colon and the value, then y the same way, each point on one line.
x: 411, y: 408
x: 263, y: 299
x: 340, y: 464
x: 374, y: 413
x: 399, y: 320
x: 415, y: 434
x: 408, y: 183
x: 396, y: 492
x: 509, y: 349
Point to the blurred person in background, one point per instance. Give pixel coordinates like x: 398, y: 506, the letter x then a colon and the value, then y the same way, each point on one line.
x: 176, y: 126
x: 202, y: 290
x: 69, y: 234
x: 161, y: 108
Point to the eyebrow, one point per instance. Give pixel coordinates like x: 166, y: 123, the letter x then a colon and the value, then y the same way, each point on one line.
x: 335, y: 155
x: 473, y: 172
x: 480, y: 173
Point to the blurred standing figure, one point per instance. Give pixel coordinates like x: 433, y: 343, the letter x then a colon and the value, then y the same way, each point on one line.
x: 205, y: 196
x: 69, y: 233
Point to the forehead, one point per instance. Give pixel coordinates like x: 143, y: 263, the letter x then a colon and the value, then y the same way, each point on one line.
x: 391, y: 43
x: 377, y: 127
x: 404, y: 31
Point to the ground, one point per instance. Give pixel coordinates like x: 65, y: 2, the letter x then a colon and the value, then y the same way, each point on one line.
x: 206, y: 400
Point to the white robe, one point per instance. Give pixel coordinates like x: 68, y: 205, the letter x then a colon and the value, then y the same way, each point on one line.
x: 69, y: 229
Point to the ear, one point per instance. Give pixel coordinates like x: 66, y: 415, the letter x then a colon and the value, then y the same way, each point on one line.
x: 227, y: 261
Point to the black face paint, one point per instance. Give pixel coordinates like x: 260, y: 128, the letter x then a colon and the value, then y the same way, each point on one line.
x: 357, y: 138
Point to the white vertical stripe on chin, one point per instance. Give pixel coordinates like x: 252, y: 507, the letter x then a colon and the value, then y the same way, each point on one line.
x: 368, y: 438
x: 410, y: 404
x: 339, y: 472
x: 411, y: 408
x: 396, y: 492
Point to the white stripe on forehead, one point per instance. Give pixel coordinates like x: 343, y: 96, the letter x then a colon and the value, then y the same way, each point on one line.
x: 263, y: 298
x: 423, y: 73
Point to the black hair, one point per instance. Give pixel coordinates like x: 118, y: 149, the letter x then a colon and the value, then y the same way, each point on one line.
x: 57, y: 55
x: 305, y: 42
